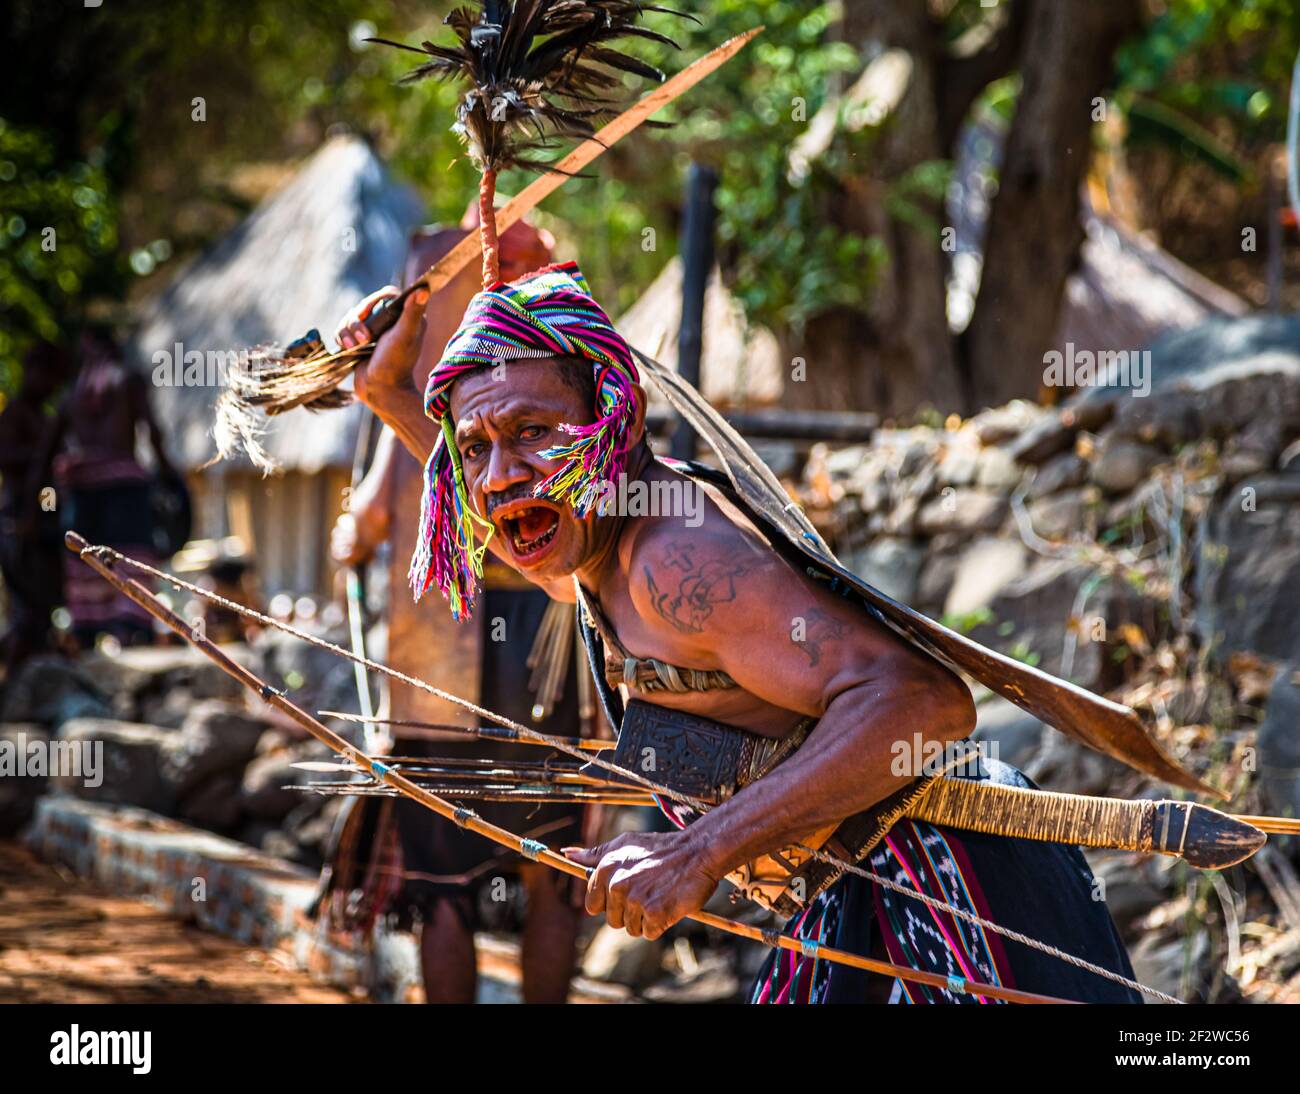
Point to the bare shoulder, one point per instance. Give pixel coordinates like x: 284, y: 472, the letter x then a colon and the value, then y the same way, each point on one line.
x: 684, y: 570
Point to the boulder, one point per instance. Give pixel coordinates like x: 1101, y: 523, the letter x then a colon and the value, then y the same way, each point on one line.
x: 215, y: 738
x: 1072, y: 768
x: 983, y: 570
x: 1248, y: 569
x: 1058, y: 473
x: 1219, y: 379
x: 905, y: 451
x: 1168, y: 420
x: 21, y: 782
x: 960, y: 509
x: 1130, y: 893
x: 169, y: 708
x: 1256, y: 394
x: 906, y: 497
x: 1241, y: 461
x: 310, y: 825
x: 262, y: 794
x: 1041, y: 442
x: 144, y: 675
x: 616, y: 957
x: 214, y: 805
x: 314, y: 678
x: 1158, y: 961
x: 1123, y: 463
x: 891, y: 565
x: 1062, y: 515
x: 121, y: 763
x: 1055, y: 433
x: 51, y: 690
x: 958, y: 463
x: 996, y: 470
x: 938, y: 573
x: 1031, y: 617
x: 1001, y: 423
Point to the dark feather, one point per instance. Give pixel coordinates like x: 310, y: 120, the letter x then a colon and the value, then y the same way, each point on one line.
x: 537, y: 72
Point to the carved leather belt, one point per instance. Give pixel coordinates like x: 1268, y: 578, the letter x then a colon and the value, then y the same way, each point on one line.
x: 710, y: 761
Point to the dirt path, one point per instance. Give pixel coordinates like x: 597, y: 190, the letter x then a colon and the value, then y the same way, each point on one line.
x: 65, y: 940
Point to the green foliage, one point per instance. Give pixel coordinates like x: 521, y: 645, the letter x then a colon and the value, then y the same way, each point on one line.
x: 112, y: 119
x: 1023, y: 653
x: 787, y: 260
x: 965, y: 622
x: 920, y: 190
x: 621, y: 220
x: 58, y: 231
x: 1208, y: 75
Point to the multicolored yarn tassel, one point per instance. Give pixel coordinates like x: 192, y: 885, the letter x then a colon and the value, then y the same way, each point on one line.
x: 447, y: 554
x: 599, y: 455
x: 549, y: 313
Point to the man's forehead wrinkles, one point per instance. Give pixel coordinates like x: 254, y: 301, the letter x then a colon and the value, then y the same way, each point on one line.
x: 473, y: 419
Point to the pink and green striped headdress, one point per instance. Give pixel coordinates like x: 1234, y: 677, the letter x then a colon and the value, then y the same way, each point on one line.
x: 549, y: 313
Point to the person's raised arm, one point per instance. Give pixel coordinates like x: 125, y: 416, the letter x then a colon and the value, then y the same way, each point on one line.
x: 368, y: 516
x: 384, y: 382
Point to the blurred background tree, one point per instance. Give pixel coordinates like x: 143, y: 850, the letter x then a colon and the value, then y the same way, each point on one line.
x: 834, y: 137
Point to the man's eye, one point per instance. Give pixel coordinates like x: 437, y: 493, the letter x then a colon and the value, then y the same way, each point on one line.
x: 533, y: 432
x: 473, y: 451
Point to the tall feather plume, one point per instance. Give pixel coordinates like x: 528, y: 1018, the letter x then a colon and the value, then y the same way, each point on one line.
x: 538, y: 71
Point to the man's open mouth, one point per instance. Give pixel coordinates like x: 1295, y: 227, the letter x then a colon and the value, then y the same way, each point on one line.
x: 528, y: 528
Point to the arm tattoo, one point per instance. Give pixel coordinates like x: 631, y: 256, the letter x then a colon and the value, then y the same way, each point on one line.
x: 690, y: 605
x: 820, y: 627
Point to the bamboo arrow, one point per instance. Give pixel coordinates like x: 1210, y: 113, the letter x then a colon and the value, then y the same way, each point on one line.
x: 483, y: 733
x: 468, y: 819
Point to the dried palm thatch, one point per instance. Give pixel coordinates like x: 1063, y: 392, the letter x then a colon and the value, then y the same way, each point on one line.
x: 538, y: 72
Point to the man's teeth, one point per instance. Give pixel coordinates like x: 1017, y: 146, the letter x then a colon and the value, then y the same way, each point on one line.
x: 524, y: 546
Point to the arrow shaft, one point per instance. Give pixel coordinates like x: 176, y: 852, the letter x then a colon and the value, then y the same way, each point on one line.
x: 440, y: 731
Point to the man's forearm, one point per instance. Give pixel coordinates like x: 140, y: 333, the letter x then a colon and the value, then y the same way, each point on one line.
x: 848, y: 763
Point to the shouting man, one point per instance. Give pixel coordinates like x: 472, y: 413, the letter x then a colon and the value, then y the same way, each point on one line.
x: 533, y: 428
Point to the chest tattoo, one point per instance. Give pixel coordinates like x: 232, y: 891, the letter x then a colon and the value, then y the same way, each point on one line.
x: 689, y: 603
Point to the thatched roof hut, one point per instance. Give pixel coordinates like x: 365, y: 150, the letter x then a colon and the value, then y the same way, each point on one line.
x: 740, y: 364
x: 336, y: 231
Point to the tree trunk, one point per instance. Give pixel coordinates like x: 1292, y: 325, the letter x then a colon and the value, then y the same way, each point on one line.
x: 1034, y: 231
x: 897, y: 355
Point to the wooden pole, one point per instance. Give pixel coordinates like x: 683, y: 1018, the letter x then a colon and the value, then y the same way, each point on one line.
x: 697, y: 263
x: 468, y: 819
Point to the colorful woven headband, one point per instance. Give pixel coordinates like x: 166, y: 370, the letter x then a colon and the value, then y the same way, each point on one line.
x: 549, y: 313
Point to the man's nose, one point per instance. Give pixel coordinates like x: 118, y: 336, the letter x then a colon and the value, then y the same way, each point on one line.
x: 504, y: 470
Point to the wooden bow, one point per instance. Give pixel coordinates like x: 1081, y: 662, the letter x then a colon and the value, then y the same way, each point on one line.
x: 468, y: 819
